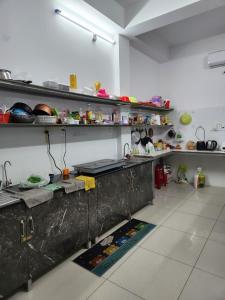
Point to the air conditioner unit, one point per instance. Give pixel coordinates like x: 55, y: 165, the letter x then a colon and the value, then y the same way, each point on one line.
x: 216, y: 59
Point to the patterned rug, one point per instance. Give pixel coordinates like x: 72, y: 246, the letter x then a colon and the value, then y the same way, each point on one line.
x: 102, y: 256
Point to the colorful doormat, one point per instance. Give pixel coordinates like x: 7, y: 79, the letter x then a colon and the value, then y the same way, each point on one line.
x: 102, y: 256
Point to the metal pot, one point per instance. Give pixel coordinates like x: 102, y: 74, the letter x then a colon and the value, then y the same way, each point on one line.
x: 5, y: 74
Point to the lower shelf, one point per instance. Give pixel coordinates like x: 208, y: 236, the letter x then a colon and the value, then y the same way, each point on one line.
x: 15, y: 125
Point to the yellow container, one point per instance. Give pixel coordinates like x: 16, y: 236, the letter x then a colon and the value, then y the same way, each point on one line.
x: 73, y: 81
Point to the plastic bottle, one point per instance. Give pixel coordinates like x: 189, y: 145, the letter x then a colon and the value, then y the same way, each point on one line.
x: 201, y: 178
x: 73, y: 82
x: 196, y: 180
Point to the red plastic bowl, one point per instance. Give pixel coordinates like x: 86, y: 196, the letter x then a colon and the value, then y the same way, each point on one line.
x: 4, y: 118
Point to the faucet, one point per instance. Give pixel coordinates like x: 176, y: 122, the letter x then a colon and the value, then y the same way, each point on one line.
x: 7, y: 181
x: 124, y: 151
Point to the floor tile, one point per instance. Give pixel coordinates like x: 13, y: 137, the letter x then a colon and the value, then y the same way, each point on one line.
x: 190, y: 223
x: 204, y: 286
x: 201, y: 209
x: 207, y: 198
x: 174, y: 189
x: 222, y: 216
x: 212, y: 190
x: 175, y: 244
x: 168, y: 202
x: 152, y: 276
x: 67, y: 281
x: 212, y: 259
x: 153, y: 214
x: 110, y: 291
x: 218, y: 233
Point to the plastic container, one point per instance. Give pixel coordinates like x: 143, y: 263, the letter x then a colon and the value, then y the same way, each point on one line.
x: 199, y: 179
x: 46, y: 119
x: 196, y: 181
x: 4, y: 118
x: 73, y: 81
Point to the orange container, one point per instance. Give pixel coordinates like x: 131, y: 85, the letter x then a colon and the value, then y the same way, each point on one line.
x: 4, y: 118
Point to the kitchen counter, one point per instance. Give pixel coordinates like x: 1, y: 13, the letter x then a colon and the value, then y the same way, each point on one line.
x: 166, y: 153
x: 7, y: 198
x: 197, y: 152
x: 156, y: 155
x: 35, y: 240
x: 129, y: 163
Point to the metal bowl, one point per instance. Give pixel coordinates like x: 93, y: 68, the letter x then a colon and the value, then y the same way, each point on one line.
x: 42, y: 110
x: 22, y: 118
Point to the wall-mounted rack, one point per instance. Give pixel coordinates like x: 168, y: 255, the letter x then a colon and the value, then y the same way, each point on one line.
x: 15, y: 86
x: 27, y: 125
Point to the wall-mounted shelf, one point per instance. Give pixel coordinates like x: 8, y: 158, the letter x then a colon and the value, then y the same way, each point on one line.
x: 31, y: 89
x: 15, y: 125
x: 19, y: 125
x: 148, y: 125
x: 150, y: 108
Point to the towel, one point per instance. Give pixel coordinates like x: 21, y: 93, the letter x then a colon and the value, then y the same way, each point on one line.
x: 35, y: 197
x: 72, y: 185
x: 89, y: 182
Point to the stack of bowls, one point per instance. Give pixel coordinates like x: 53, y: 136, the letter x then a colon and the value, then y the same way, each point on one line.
x: 21, y: 113
x: 43, y: 114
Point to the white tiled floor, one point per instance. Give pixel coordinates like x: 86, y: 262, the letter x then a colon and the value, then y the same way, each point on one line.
x: 183, y: 258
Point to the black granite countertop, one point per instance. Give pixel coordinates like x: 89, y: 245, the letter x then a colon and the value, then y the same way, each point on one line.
x: 128, y: 164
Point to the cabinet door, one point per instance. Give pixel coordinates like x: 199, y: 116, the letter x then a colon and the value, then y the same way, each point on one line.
x: 112, y: 207
x: 13, y: 252
x: 60, y: 228
x: 140, y: 187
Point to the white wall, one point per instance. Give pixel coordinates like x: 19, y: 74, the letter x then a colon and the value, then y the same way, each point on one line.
x: 196, y: 89
x: 144, y: 76
x: 35, y: 41
x: 39, y: 45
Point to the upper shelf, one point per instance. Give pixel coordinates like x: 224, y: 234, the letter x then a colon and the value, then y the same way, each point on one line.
x: 24, y: 88
x: 150, y: 108
x: 31, y: 89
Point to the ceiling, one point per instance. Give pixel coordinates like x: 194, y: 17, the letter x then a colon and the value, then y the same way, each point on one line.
x: 126, y: 3
x: 154, y: 26
x: 191, y: 29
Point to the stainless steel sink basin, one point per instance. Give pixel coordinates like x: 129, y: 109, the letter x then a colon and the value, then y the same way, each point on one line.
x: 13, y: 189
x: 6, y: 199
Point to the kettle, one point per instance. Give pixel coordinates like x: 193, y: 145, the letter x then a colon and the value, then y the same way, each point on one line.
x: 211, y: 145
x: 201, y: 146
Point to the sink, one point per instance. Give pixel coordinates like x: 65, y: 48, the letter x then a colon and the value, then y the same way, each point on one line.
x: 6, y: 199
x: 13, y: 189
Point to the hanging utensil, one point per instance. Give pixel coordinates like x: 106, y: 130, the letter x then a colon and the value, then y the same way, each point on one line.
x: 136, y: 136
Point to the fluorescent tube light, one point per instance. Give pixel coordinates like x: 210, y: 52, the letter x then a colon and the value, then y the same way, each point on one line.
x: 88, y: 27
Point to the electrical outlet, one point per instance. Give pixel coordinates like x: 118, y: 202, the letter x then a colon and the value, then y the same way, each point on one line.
x: 220, y: 126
